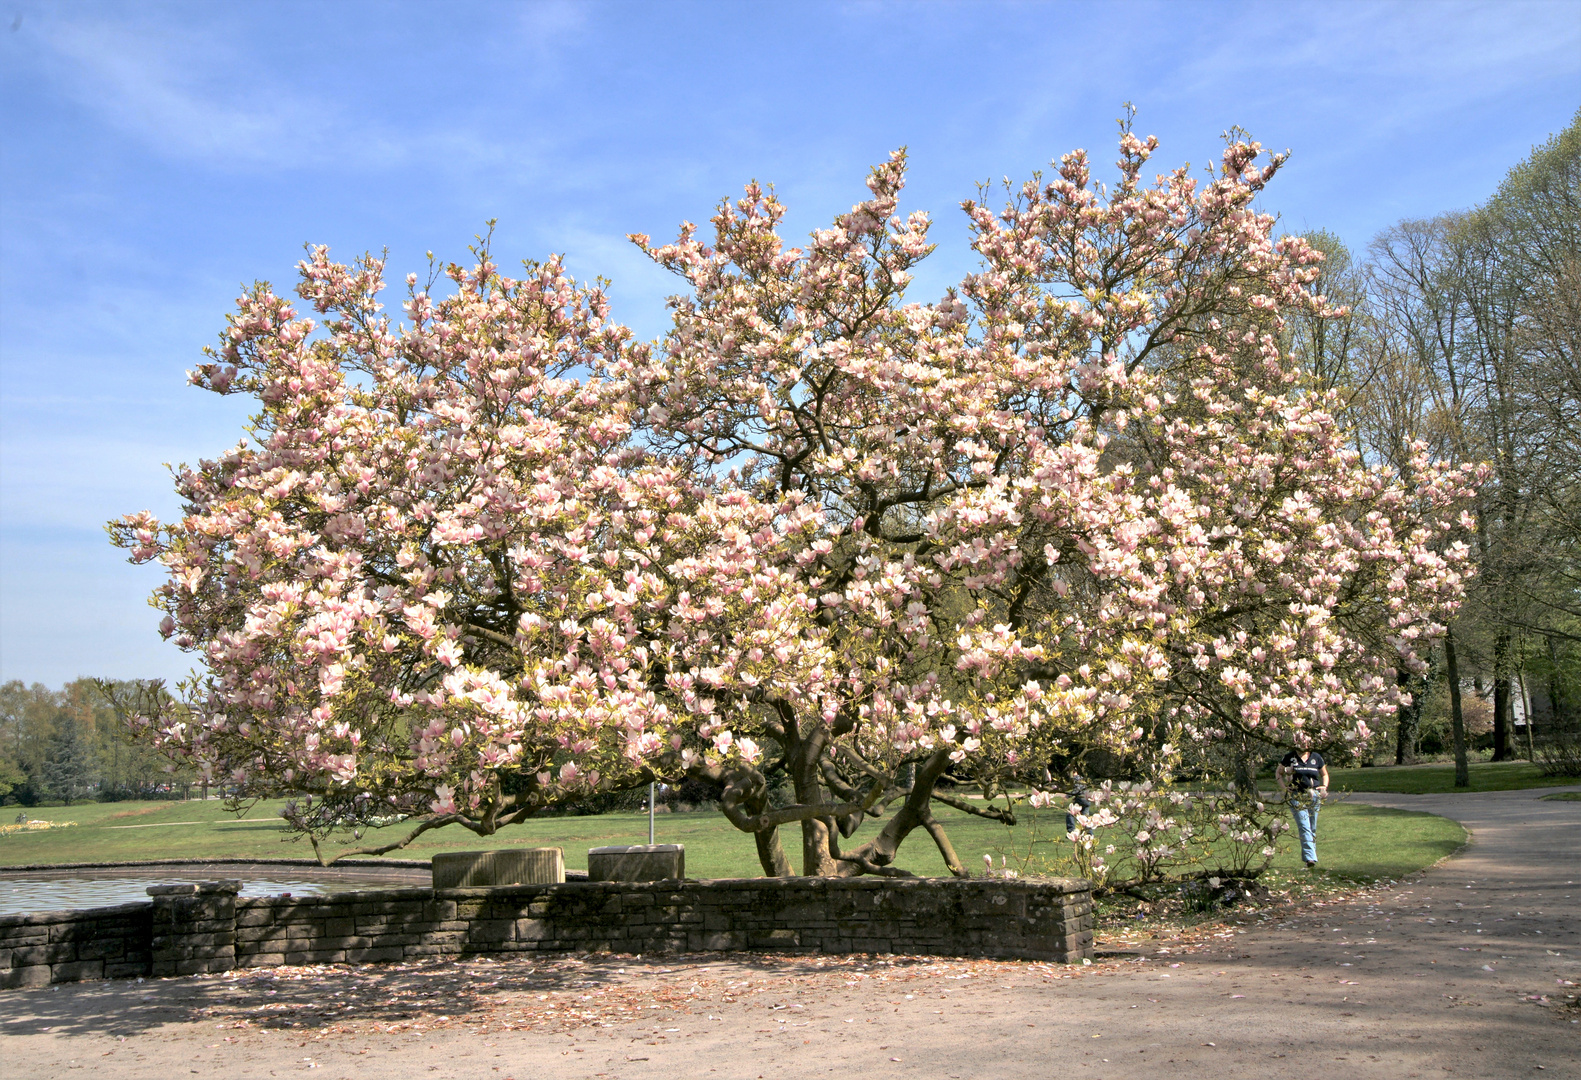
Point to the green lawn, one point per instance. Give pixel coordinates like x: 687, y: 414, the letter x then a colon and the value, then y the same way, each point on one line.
x: 1440, y: 779
x: 1563, y: 796
x: 1368, y: 843
x: 1355, y: 841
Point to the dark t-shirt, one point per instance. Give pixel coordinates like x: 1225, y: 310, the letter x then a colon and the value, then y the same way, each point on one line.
x: 1305, y: 774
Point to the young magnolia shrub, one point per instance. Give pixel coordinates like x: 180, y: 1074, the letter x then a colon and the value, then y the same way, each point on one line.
x: 497, y: 556
x: 1154, y: 833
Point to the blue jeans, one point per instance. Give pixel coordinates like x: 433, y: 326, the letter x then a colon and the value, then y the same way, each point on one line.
x: 1070, y: 818
x: 1305, y: 808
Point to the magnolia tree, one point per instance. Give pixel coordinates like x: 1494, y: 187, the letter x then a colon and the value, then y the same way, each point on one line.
x: 840, y: 554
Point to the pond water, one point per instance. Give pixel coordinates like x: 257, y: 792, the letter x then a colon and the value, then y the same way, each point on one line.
x: 31, y: 895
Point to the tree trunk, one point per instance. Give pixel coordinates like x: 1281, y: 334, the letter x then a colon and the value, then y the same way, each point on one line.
x: 1558, y: 702
x: 1503, y: 712
x: 1245, y: 774
x: 770, y: 854
x: 914, y: 813
x: 817, y: 852
x: 1456, y: 719
x: 1526, y: 712
x: 744, y: 796
x: 1408, y: 718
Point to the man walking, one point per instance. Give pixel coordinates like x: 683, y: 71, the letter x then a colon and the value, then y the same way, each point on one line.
x: 1303, y: 777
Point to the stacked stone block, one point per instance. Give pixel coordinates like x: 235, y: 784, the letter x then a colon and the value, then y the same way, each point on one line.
x: 194, y: 928
x: 641, y: 862
x: 510, y: 866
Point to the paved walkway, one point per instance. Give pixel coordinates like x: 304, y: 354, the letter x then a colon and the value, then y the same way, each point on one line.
x: 1443, y: 975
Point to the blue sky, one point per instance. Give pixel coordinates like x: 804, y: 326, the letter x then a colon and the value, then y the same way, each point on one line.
x: 155, y: 156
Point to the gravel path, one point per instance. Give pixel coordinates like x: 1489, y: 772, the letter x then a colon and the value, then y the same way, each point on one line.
x: 1468, y: 970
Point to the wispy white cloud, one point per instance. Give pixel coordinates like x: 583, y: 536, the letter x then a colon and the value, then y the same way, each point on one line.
x: 194, y: 89
x: 1407, y: 60
x: 184, y: 90
x: 546, y: 27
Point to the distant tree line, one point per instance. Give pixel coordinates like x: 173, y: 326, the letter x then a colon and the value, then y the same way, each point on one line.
x: 1463, y: 333
x: 67, y: 745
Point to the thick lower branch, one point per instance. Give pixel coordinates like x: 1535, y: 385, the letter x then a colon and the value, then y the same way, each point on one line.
x: 941, y: 840
x: 865, y: 866
x: 395, y: 845
x: 993, y: 813
x: 913, y: 814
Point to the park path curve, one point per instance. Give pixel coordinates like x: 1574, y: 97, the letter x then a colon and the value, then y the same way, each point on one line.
x: 1456, y: 972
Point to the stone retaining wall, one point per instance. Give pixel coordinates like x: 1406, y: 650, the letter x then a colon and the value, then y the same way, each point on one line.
x: 66, y: 946
x: 200, y: 929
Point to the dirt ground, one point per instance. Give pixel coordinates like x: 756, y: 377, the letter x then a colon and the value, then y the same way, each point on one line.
x: 1468, y: 970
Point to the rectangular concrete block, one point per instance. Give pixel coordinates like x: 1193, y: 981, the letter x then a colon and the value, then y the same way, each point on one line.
x: 490, y: 931
x: 316, y: 956
x: 255, y: 934
x: 382, y: 955
x: 77, y: 971
x: 533, y: 929
x: 443, y: 939
x: 385, y: 924
x: 125, y: 969
x: 720, y: 941
x: 18, y: 977
x: 639, y: 862
x: 776, y: 939
x: 418, y: 952
x: 264, y: 959
x: 79, y: 931
x: 44, y: 954
x: 108, y: 948
x: 26, y: 935
x: 508, y: 866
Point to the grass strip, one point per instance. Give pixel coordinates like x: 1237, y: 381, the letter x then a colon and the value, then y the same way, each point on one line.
x: 1439, y: 779
x: 1356, y: 842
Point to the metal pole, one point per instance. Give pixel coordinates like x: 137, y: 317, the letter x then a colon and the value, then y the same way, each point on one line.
x: 650, y: 813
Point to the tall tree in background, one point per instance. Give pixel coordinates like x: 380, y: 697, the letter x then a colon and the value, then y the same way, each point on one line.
x: 1475, y: 331
x: 70, y: 770
x: 38, y: 725
x: 1338, y: 348
x: 27, y: 724
x: 1537, y: 214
